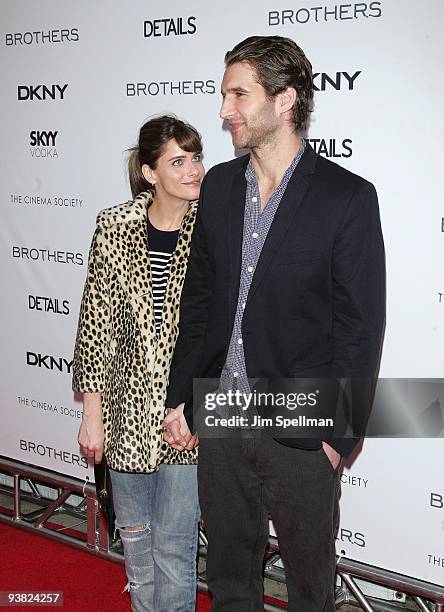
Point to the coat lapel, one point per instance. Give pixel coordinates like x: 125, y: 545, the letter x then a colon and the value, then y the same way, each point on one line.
x: 287, y: 209
x: 125, y: 240
x: 140, y: 282
x: 170, y: 311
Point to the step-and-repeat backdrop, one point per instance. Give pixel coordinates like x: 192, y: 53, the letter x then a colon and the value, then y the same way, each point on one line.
x: 79, y: 79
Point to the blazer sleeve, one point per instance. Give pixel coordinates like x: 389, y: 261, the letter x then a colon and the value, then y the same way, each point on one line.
x: 93, y: 326
x: 194, y: 308
x: 358, y: 284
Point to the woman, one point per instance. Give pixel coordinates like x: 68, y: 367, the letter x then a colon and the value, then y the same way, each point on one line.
x: 125, y: 340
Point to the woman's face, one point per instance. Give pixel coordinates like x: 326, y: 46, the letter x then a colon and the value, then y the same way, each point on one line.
x: 178, y: 173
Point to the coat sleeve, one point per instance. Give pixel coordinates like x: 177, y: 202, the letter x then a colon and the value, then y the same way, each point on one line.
x: 358, y: 283
x: 93, y: 327
x: 358, y: 276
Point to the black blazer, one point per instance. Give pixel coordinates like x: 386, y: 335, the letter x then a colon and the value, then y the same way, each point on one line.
x: 316, y: 306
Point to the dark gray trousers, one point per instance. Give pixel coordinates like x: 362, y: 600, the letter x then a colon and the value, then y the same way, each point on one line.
x: 240, y: 481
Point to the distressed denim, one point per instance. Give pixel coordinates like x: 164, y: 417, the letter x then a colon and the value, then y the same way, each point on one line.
x: 160, y: 558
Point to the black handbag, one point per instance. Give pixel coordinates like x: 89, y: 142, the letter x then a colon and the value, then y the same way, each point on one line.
x: 105, y: 494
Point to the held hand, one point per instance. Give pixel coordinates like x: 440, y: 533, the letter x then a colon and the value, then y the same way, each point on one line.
x: 333, y: 456
x: 90, y: 438
x: 192, y: 443
x: 176, y: 431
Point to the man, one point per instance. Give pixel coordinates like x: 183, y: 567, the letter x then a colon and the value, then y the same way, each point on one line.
x: 285, y: 279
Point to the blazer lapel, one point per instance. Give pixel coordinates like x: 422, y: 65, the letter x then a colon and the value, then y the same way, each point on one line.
x: 236, y: 211
x: 287, y: 209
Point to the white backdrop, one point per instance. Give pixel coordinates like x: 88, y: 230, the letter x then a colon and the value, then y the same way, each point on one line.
x: 70, y: 109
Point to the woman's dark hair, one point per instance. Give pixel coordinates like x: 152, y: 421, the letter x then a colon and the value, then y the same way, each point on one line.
x: 279, y: 63
x: 153, y: 136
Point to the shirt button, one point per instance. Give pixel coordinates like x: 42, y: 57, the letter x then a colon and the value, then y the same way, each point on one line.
x: 254, y: 199
x: 235, y: 374
x: 239, y: 340
x: 255, y: 234
x: 250, y: 268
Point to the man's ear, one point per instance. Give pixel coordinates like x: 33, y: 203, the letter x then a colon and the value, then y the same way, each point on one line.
x: 149, y: 174
x: 287, y: 99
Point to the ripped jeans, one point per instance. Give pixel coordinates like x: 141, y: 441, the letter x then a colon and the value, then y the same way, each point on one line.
x: 160, y: 556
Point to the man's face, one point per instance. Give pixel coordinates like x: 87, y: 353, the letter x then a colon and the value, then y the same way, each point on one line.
x: 250, y: 114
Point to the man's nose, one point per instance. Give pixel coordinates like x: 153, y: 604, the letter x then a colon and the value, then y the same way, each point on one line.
x: 226, y: 110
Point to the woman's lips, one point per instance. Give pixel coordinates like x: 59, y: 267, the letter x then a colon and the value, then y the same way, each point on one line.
x: 193, y: 184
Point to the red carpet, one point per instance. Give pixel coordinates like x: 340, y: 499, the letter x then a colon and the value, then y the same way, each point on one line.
x: 30, y: 562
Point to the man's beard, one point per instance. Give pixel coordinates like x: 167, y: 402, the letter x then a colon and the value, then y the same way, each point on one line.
x: 256, y: 136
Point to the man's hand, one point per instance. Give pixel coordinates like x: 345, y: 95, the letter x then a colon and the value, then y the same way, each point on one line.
x: 90, y: 438
x: 333, y: 456
x: 176, y: 431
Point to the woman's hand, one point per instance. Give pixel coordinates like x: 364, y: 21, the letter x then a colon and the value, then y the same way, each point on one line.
x: 91, y: 433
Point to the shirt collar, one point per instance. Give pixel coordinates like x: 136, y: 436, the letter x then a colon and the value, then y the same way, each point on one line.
x: 250, y: 174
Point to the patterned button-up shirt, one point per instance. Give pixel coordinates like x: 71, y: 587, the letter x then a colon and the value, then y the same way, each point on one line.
x: 257, y: 223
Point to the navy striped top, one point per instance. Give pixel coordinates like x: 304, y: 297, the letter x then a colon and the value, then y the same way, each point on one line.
x: 161, y: 247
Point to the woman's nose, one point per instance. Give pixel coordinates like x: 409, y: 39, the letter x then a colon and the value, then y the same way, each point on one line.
x: 193, y: 170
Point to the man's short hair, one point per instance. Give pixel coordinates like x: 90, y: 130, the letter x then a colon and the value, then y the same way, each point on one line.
x: 279, y: 63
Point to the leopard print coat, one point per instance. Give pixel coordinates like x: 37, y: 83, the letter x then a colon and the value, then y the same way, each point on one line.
x: 117, y: 351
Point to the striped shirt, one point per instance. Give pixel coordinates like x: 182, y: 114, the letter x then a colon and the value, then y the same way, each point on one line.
x: 161, y: 247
